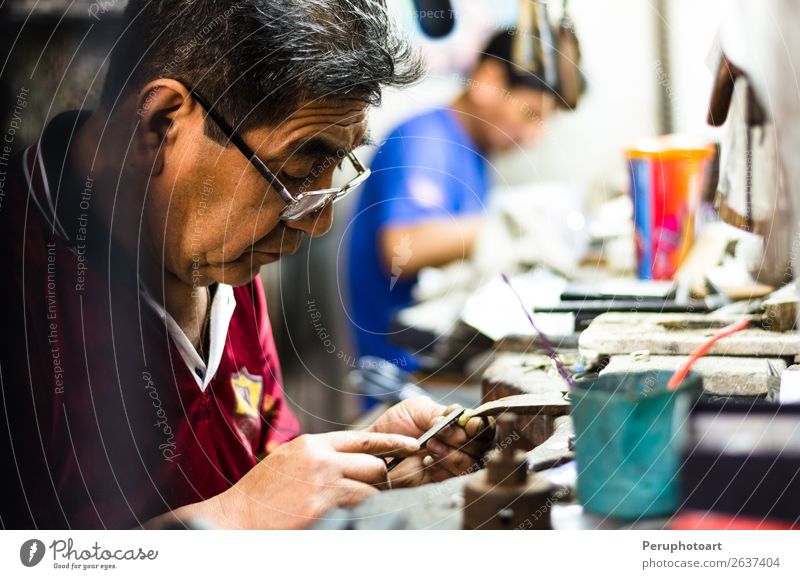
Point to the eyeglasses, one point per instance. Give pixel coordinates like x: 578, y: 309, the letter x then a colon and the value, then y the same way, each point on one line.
x: 300, y: 205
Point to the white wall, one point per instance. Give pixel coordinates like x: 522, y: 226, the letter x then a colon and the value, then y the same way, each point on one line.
x: 618, y: 40
x: 693, y: 26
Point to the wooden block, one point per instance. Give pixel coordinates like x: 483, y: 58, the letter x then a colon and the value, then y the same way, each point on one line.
x: 512, y: 374
x: 616, y: 333
x: 722, y: 376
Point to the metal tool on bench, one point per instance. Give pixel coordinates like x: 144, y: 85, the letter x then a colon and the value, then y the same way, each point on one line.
x: 520, y: 404
x: 505, y: 495
x: 433, y: 431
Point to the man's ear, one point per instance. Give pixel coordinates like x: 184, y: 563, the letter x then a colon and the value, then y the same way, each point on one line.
x: 488, y: 82
x: 162, y: 105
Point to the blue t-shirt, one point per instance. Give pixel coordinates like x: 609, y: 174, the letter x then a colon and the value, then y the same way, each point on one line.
x: 428, y: 168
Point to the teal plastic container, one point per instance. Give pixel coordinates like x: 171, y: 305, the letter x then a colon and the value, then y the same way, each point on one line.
x: 629, y: 433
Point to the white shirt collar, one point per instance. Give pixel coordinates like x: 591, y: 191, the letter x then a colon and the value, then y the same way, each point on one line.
x: 222, y: 307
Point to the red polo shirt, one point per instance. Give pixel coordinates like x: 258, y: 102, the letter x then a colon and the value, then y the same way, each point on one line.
x: 105, y: 424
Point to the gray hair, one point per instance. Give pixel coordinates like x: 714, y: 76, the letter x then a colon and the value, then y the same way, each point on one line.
x: 256, y: 60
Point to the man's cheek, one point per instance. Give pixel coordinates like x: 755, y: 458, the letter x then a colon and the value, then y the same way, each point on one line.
x: 323, y: 221
x: 263, y: 219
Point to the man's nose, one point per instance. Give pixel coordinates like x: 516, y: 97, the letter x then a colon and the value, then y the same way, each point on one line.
x: 316, y: 224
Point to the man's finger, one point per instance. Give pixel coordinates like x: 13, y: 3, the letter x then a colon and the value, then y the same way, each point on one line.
x: 425, y: 413
x: 477, y: 427
x: 453, y: 435
x: 375, y: 443
x: 350, y: 492
x: 454, y: 461
x: 477, y: 448
x: 363, y: 468
x: 456, y: 439
x: 439, y: 474
x: 474, y: 439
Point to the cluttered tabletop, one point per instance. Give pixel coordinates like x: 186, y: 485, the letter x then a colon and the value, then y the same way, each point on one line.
x: 632, y: 421
x: 622, y: 399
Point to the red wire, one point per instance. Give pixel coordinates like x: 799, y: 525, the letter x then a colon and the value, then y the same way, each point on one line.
x: 701, y: 350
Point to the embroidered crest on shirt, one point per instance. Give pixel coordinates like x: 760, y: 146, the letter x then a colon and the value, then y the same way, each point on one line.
x: 248, y: 392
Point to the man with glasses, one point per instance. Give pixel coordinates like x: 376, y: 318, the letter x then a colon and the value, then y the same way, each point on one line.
x: 142, y: 382
x: 306, y: 203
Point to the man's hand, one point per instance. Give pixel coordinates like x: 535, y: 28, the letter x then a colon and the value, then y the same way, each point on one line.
x: 303, y: 479
x: 428, y: 243
x: 454, y: 451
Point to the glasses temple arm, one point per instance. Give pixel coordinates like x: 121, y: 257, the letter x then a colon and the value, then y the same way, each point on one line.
x: 234, y: 138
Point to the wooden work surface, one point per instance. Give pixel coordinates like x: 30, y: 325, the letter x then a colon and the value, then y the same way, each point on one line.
x: 722, y: 375
x: 511, y: 374
x: 673, y: 334
x: 440, y: 505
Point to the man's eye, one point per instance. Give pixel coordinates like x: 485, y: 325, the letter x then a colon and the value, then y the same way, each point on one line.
x: 294, y: 180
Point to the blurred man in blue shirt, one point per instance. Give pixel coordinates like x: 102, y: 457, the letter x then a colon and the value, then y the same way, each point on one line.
x: 424, y: 204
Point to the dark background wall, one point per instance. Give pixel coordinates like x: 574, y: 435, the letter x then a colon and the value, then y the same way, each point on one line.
x: 56, y: 50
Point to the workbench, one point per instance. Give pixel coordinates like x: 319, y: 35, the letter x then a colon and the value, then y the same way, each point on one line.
x: 744, y: 368
x: 440, y: 505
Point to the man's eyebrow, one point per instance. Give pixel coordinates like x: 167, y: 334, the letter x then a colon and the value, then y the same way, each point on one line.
x: 321, y: 147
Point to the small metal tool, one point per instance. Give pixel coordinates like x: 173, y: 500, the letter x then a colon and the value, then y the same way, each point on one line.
x: 433, y: 431
x: 549, y: 404
x: 773, y: 383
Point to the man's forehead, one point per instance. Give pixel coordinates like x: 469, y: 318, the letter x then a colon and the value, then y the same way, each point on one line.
x: 322, y: 127
x: 340, y: 112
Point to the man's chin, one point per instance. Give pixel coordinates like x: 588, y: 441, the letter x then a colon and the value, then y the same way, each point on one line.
x: 243, y: 270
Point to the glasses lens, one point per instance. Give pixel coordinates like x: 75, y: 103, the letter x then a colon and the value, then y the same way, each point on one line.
x: 306, y: 206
